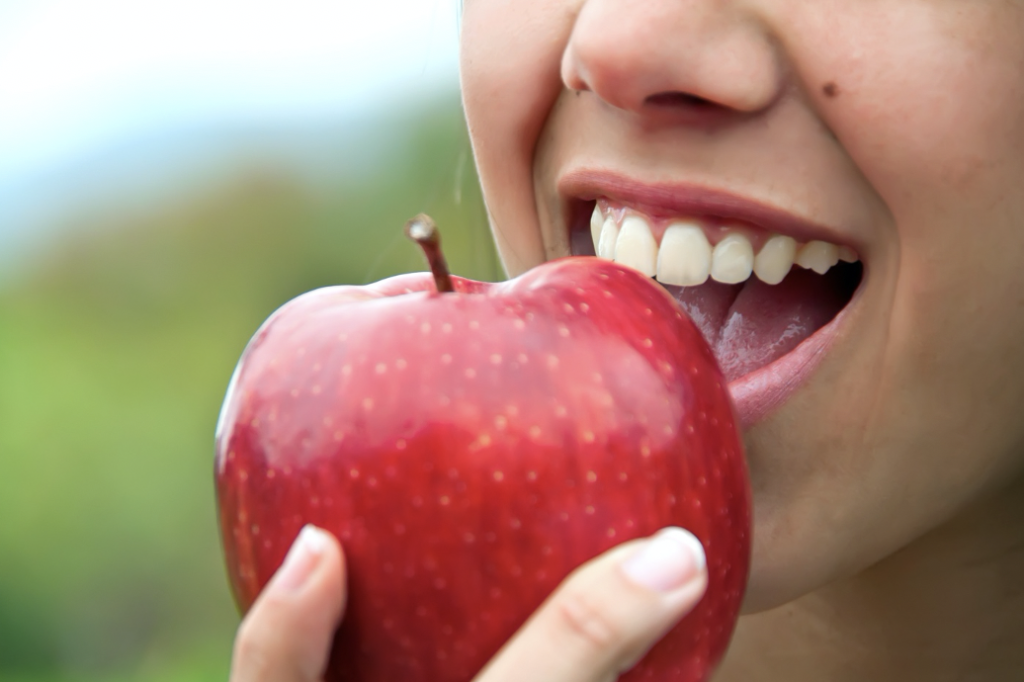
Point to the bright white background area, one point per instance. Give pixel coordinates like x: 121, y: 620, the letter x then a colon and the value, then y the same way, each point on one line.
x: 79, y: 77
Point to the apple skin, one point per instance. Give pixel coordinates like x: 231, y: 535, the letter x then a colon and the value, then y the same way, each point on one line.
x: 471, y: 449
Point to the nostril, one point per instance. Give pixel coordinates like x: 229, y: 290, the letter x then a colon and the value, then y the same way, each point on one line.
x: 679, y: 100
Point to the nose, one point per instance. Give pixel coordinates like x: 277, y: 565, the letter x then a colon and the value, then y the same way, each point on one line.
x: 677, y: 55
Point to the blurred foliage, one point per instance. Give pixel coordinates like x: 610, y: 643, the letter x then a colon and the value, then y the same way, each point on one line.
x: 115, y: 350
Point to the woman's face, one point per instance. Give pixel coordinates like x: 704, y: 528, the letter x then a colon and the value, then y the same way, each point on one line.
x: 893, y: 128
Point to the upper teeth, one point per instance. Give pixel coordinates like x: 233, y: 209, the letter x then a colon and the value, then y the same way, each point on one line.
x: 687, y: 258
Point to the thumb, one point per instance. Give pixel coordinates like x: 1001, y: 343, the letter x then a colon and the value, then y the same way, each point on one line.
x: 287, y: 634
x: 608, y: 613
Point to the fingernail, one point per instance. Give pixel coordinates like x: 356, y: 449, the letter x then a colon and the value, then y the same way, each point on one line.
x: 667, y: 561
x: 302, y: 558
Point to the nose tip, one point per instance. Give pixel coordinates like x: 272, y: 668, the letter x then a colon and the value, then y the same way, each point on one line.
x: 671, y: 54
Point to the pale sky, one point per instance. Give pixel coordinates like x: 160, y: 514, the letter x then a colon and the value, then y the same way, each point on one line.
x: 79, y: 75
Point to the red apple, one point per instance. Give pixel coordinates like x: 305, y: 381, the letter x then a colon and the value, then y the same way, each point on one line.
x: 471, y: 448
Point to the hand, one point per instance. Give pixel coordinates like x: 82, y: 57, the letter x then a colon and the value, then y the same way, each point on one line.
x: 599, y: 622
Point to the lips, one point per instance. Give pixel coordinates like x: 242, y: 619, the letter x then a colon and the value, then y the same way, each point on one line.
x: 768, y: 329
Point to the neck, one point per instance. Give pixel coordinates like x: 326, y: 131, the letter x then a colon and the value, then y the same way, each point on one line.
x: 948, y: 607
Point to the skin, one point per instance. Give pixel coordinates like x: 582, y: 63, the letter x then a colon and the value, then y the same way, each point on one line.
x: 888, y: 489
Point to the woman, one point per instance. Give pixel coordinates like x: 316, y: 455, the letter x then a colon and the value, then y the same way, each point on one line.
x: 880, y: 400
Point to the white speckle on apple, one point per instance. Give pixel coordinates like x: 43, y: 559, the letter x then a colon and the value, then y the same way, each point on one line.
x: 243, y: 475
x: 645, y: 450
x: 499, y: 476
x: 242, y: 517
x: 534, y: 432
x: 529, y: 317
x: 439, y: 584
x: 567, y: 307
x: 346, y: 370
x: 446, y: 328
x: 295, y: 392
x: 417, y: 501
x: 400, y: 444
x: 339, y: 436
x: 500, y: 422
x: 425, y: 328
x: 399, y: 529
x: 668, y: 430
x: 353, y: 473
x: 564, y: 516
x: 607, y: 294
x: 531, y: 475
x: 689, y: 427
x: 648, y: 343
x: 588, y: 437
x: 603, y: 276
x: 597, y: 377
x: 468, y: 538
x: 444, y: 500
x: 516, y: 571
x: 254, y: 529
x: 411, y: 319
x: 271, y: 473
x: 367, y: 404
x: 591, y: 476
x: 381, y: 368
x: 552, y: 361
x: 522, y: 358
x: 563, y: 331
x: 470, y: 373
x: 328, y: 420
x: 546, y: 550
x: 495, y: 359
x: 372, y: 482
x: 400, y: 363
x: 519, y: 324
x: 444, y: 400
x: 446, y: 359
x: 584, y: 308
x: 515, y: 524
x: 473, y: 324
x: 512, y: 410
x: 589, y: 510
x: 623, y: 476
x: 560, y: 410
x: 316, y: 389
x: 611, y: 532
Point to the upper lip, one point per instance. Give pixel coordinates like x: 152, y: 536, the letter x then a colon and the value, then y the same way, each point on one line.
x: 691, y: 200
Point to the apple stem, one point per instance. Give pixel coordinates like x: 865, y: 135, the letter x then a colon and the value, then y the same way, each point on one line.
x: 423, y: 230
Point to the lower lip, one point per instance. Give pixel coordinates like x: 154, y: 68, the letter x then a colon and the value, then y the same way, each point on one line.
x: 757, y: 394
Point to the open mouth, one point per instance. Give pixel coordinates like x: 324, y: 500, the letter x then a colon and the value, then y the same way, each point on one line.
x: 756, y: 295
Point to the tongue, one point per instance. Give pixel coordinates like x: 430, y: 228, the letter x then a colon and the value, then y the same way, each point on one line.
x: 750, y: 325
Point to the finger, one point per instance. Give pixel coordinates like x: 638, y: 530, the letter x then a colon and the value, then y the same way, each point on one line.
x: 286, y: 636
x: 606, y: 615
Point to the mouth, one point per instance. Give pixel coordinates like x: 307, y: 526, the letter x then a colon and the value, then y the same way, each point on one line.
x: 767, y: 291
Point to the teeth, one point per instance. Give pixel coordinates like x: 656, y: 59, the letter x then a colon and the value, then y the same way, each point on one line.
x: 732, y: 260
x: 685, y: 256
x: 596, y: 222
x: 609, y: 235
x: 818, y: 256
x: 636, y: 247
x: 775, y: 259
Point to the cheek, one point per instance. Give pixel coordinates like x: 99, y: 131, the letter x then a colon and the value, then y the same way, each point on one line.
x: 511, y: 52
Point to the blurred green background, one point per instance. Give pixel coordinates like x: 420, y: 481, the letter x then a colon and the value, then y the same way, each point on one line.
x: 117, y: 340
